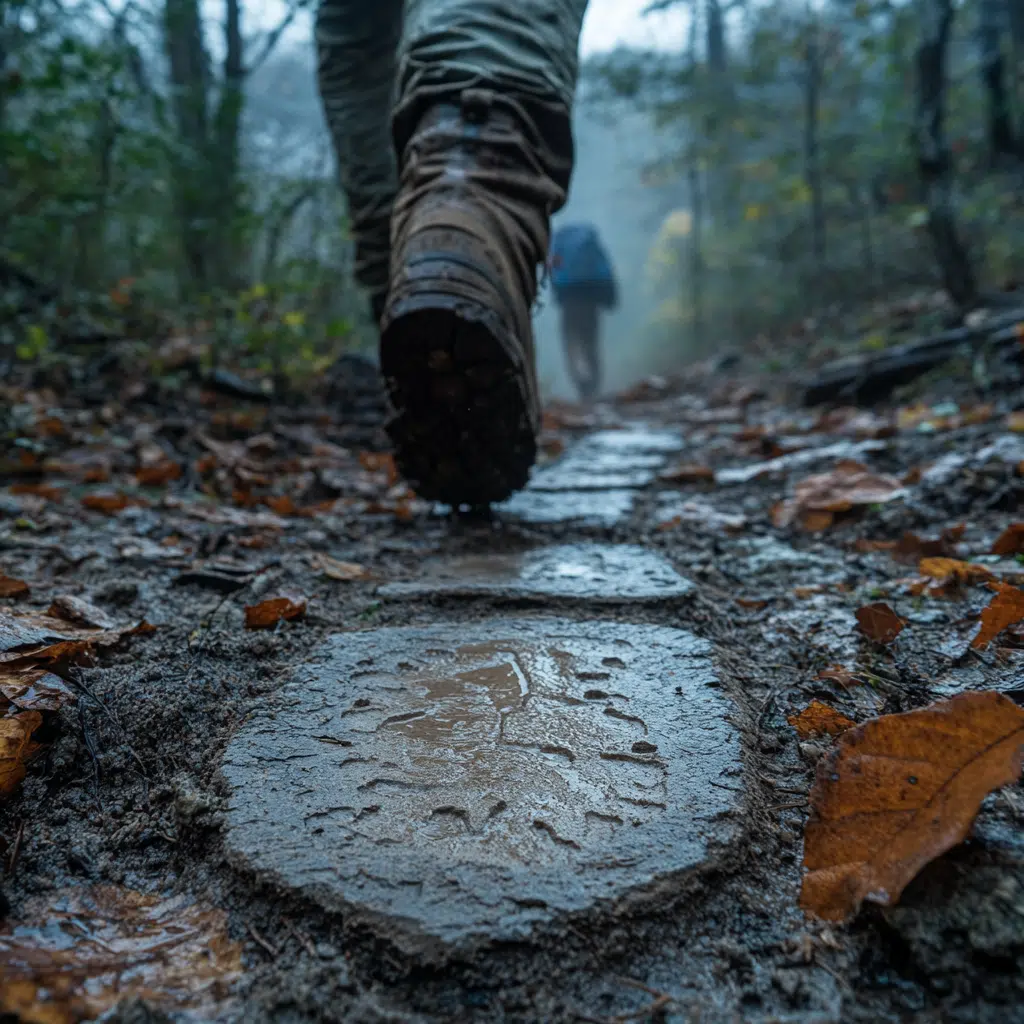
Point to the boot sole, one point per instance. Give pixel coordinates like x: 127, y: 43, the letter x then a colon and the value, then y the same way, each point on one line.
x: 460, y: 420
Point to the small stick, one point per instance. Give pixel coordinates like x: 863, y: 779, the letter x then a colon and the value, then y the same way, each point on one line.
x: 273, y: 953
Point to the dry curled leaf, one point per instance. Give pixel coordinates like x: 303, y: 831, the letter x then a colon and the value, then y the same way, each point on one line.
x: 818, y: 719
x: 898, y: 791
x: 76, y: 954
x: 273, y: 610
x: 878, y: 622
x: 12, y: 587
x: 953, y: 571
x: 818, y: 499
x: 1010, y: 541
x: 335, y: 569
x: 1005, y: 609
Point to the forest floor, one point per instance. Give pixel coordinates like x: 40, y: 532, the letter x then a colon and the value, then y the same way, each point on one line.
x: 151, y: 867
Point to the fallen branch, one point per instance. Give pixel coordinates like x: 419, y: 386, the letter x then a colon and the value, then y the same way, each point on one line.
x: 869, y: 378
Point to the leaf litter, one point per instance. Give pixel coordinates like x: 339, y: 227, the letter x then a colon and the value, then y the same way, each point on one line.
x: 82, y: 951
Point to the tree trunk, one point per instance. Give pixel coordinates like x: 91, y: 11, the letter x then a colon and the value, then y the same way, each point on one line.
x: 812, y: 146
x: 1001, y: 141
x: 934, y: 164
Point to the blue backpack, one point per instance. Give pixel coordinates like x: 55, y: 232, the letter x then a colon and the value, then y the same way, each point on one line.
x: 579, y: 264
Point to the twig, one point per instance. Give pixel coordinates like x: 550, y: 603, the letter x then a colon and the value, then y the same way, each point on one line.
x: 12, y: 861
x: 788, y: 807
x: 262, y: 942
x: 303, y: 940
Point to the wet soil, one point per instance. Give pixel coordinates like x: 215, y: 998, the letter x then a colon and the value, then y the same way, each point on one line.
x: 131, y: 789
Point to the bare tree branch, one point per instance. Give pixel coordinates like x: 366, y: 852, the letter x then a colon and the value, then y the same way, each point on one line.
x: 273, y: 37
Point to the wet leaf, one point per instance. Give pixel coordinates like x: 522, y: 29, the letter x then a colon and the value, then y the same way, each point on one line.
x: 878, y: 622
x: 1005, y: 609
x: 338, y: 570
x: 952, y: 570
x: 818, y: 719
x: 1010, y: 541
x: 898, y: 791
x: 80, y: 952
x: 687, y: 473
x: 158, y: 474
x: 12, y: 587
x: 15, y: 745
x: 34, y: 689
x: 850, y: 485
x: 30, y: 639
x: 109, y: 503
x: 80, y: 612
x: 273, y: 610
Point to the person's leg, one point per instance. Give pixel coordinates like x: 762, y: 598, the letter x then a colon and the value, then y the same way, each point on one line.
x: 482, y: 126
x: 571, y: 342
x: 357, y: 50
x: 591, y: 333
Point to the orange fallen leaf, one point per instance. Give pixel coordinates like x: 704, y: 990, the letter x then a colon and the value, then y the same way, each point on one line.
x: 282, y: 504
x: 751, y: 603
x: 878, y: 622
x: 273, y: 610
x: 158, y: 474
x: 1005, y: 609
x: 687, y: 473
x: 809, y: 590
x: 15, y: 745
x: 898, y: 791
x: 1010, y: 541
x: 109, y: 503
x: 338, y: 570
x: 380, y: 462
x: 12, y: 587
x: 818, y: 719
x: 817, y: 499
x: 952, y: 570
x: 1015, y: 421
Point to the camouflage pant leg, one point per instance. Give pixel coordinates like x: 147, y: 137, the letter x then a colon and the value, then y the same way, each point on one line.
x: 525, y: 51
x: 357, y: 48
x: 376, y: 53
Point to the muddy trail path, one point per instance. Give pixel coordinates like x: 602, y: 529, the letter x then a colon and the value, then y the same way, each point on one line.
x: 283, y: 743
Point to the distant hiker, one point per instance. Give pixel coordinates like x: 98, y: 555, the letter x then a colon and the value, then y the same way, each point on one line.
x: 584, y: 285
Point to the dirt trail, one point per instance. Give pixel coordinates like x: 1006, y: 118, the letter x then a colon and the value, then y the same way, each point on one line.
x: 199, y: 517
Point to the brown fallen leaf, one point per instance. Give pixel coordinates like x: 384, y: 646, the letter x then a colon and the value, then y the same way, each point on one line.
x: 878, y: 622
x: 29, y: 639
x: 818, y: 499
x: 273, y: 610
x: 109, y: 503
x: 953, y: 571
x: 1010, y: 541
x: 11, y: 587
x: 33, y: 689
x: 898, y: 791
x: 77, y: 953
x: 818, y: 719
x: 15, y: 744
x: 335, y: 569
x: 80, y: 612
x: 157, y: 474
x: 687, y: 473
x: 1015, y: 421
x: 752, y: 603
x: 1005, y: 609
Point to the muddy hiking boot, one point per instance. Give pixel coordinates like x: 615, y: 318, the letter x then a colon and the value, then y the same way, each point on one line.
x: 469, y: 231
